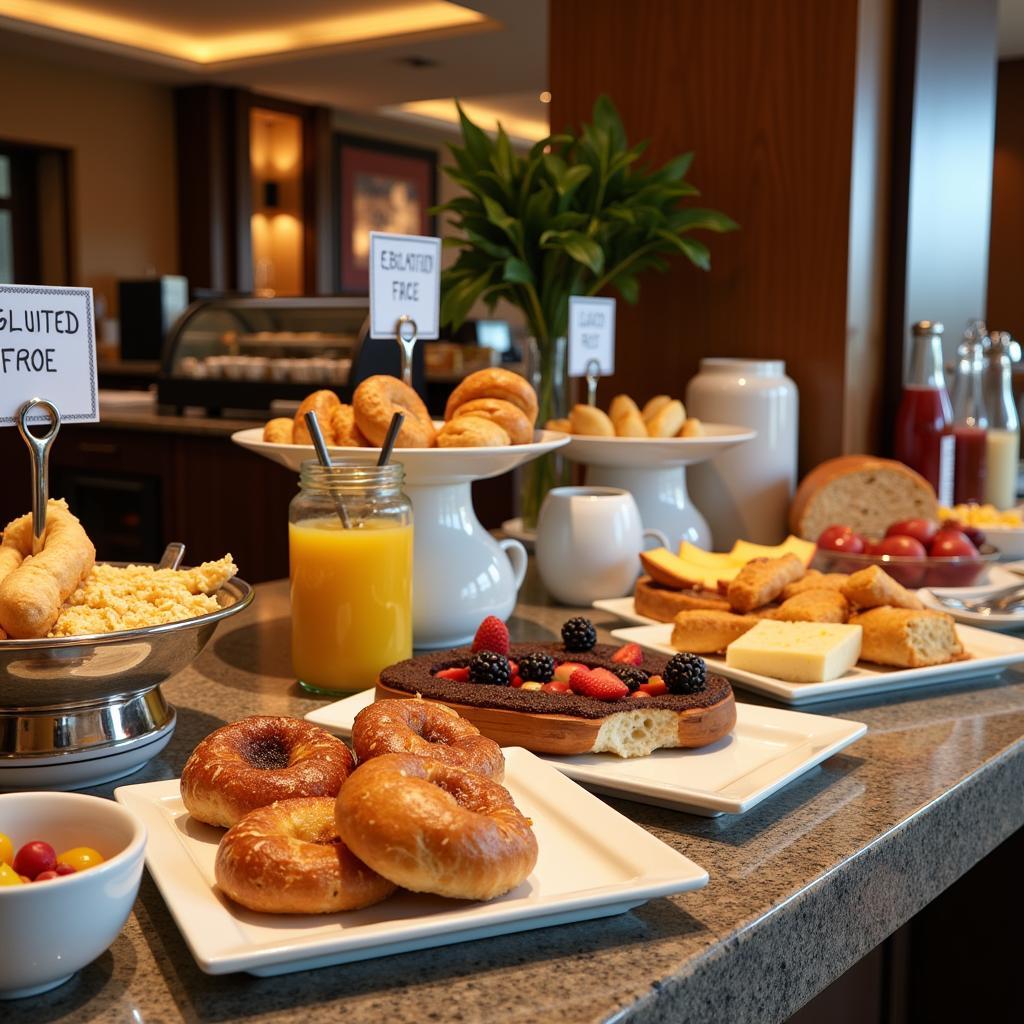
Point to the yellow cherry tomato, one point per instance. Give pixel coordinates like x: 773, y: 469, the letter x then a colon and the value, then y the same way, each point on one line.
x: 6, y: 849
x: 8, y: 876
x: 80, y: 857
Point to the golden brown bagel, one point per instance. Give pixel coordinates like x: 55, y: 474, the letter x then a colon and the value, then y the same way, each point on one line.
x: 586, y: 419
x: 495, y: 383
x: 432, y: 827
x: 324, y: 404
x: 255, y: 761
x: 426, y: 728
x: 509, y: 417
x: 32, y: 593
x: 472, y: 432
x: 346, y: 433
x: 279, y: 431
x: 378, y: 398
x: 286, y: 859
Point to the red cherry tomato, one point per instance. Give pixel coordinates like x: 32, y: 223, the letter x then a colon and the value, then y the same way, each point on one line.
x: 64, y: 869
x: 922, y: 530
x: 45, y: 876
x: 841, y: 538
x: 901, y: 547
x: 950, y: 543
x: 34, y: 858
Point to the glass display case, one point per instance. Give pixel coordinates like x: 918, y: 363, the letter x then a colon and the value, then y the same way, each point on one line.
x: 243, y: 353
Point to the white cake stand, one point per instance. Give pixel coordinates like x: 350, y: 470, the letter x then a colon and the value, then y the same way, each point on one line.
x: 461, y: 574
x: 653, y: 469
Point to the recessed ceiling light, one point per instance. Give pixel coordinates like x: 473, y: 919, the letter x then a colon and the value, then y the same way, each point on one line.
x: 545, y: 96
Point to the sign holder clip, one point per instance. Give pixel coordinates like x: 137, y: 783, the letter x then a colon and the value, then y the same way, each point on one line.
x: 406, y: 336
x: 593, y: 376
x: 39, y: 447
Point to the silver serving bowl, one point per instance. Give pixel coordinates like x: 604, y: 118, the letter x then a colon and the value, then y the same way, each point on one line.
x: 68, y: 694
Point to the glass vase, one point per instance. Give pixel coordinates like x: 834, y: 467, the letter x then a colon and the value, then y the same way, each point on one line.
x: 548, y: 374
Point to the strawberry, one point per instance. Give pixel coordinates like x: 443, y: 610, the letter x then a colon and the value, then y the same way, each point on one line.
x: 517, y: 680
x: 491, y: 635
x: 597, y: 683
x: 458, y: 675
x: 629, y: 655
x: 556, y: 687
x: 513, y: 667
x: 654, y: 687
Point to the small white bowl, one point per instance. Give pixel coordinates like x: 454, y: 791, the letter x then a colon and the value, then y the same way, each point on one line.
x: 1007, y: 540
x: 55, y: 928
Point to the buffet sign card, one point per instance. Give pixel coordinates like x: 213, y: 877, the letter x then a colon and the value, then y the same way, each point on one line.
x: 591, y: 335
x: 47, y: 350
x: 405, y: 280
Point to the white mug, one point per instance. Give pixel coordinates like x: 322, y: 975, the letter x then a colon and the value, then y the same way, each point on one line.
x: 588, y: 543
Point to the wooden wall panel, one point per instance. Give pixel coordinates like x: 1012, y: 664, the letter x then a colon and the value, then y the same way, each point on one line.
x: 764, y: 94
x: 1005, y: 310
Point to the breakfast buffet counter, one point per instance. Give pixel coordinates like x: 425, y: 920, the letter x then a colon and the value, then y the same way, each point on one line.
x: 802, y: 886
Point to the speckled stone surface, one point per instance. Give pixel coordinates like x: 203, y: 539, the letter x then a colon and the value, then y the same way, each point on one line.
x: 801, y: 887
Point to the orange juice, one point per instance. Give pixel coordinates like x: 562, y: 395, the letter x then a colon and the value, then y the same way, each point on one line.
x: 351, y: 593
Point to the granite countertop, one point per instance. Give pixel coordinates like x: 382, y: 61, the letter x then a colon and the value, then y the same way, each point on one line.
x: 801, y: 886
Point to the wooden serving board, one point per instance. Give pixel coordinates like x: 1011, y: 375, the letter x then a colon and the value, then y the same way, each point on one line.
x: 566, y: 734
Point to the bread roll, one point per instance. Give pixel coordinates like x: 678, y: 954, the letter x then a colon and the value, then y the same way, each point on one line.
x: 860, y: 491
x: 873, y: 587
x: 905, y: 638
x: 761, y: 580
x: 588, y: 420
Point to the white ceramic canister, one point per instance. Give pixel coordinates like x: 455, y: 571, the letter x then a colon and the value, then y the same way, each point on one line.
x: 745, y: 492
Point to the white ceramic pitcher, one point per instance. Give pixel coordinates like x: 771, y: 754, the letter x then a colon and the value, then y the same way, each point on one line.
x: 588, y: 543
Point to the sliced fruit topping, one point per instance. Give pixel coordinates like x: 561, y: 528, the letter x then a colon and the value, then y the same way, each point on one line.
x: 654, y: 687
x: 556, y: 687
x: 491, y: 635
x: 532, y: 686
x: 487, y: 667
x: 579, y: 635
x: 458, y: 675
x: 563, y: 672
x: 629, y: 655
x: 598, y: 683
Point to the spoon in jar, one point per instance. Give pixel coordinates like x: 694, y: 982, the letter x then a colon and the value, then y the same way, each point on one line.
x: 325, y: 460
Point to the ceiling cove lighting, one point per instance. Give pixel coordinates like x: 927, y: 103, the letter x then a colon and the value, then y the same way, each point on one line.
x: 526, y: 128
x: 400, y: 19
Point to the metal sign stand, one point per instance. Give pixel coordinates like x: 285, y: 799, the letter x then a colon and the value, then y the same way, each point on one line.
x: 593, y: 376
x: 406, y: 336
x: 40, y: 450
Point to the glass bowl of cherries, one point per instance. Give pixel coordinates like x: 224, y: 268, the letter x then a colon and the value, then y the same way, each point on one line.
x: 915, y: 552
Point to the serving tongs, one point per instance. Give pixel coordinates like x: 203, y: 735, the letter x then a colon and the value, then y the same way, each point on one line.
x: 998, y: 602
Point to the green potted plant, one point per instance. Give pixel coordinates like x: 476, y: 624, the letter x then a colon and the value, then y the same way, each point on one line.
x: 578, y: 215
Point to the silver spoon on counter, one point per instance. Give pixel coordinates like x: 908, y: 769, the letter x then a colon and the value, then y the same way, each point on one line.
x: 999, y: 601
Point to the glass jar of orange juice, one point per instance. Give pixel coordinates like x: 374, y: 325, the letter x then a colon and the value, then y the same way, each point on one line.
x: 350, y: 554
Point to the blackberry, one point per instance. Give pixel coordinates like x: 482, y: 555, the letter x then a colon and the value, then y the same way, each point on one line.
x: 488, y: 667
x: 537, y: 668
x: 632, y: 676
x: 685, y: 673
x: 579, y: 635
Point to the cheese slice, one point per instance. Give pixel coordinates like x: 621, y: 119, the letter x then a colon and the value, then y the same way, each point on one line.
x: 709, y: 559
x: 798, y: 652
x: 743, y: 550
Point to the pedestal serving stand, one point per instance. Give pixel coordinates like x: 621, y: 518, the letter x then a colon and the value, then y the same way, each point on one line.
x: 461, y: 574
x: 81, y: 710
x: 654, y: 470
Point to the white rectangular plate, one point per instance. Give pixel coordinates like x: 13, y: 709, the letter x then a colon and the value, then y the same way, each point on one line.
x: 989, y: 653
x: 768, y: 748
x: 593, y: 862
x: 624, y: 608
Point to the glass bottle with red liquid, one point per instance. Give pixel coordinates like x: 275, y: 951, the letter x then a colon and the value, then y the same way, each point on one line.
x: 970, y: 421
x: 924, y: 421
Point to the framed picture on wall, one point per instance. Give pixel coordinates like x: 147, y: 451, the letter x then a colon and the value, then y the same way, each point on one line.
x: 378, y: 187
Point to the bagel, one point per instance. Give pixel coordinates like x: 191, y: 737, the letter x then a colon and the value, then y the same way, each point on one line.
x: 436, y: 828
x: 587, y: 419
x: 495, y: 383
x: 255, y: 761
x: 343, y: 427
x: 375, y: 402
x: 324, y: 404
x: 472, y: 432
x: 426, y: 728
x: 509, y: 417
x: 279, y: 431
x: 654, y: 405
x: 668, y: 420
x: 286, y: 859
x: 34, y: 590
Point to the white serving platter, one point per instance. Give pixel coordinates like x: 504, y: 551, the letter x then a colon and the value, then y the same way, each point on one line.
x: 656, y: 452
x: 625, y: 609
x: 988, y: 654
x: 593, y: 862
x: 768, y: 748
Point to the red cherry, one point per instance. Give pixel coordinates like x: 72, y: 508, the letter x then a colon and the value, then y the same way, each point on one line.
x: 45, y: 876
x: 900, y: 546
x: 950, y: 543
x: 922, y: 530
x: 841, y: 538
x: 34, y: 858
x: 64, y: 869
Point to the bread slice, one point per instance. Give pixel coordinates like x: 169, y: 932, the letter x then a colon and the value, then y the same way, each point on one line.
x: 863, y: 492
x: 907, y: 638
x: 664, y: 603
